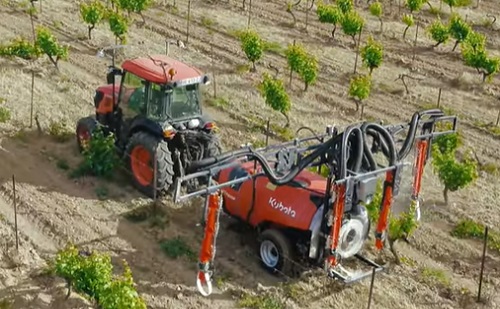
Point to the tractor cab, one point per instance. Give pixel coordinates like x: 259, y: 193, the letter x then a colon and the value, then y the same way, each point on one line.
x: 158, y: 90
x: 153, y: 107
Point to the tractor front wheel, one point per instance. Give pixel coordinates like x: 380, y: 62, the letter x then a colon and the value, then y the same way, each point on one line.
x: 142, y: 149
x: 84, y: 129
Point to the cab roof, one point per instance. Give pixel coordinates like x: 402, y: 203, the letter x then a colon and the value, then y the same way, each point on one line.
x: 156, y: 68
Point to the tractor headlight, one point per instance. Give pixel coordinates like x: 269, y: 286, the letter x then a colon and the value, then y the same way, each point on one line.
x: 169, y: 132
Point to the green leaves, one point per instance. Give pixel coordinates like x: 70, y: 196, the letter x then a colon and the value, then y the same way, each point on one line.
x: 352, y: 23
x: 376, y: 9
x: 345, y: 6
x: 118, y: 24
x: 48, y: 45
x: 303, y: 63
x: 475, y: 55
x: 438, y: 32
x: 92, y: 275
x: 275, y: 95
x: 253, y: 46
x: 360, y: 87
x: 459, y: 29
x: 329, y: 14
x: 453, y: 173
x: 92, y: 14
x: 20, y: 48
x: 372, y: 54
x: 100, y: 158
x: 414, y: 5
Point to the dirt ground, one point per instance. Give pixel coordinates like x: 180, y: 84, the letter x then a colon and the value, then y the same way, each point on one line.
x: 54, y: 209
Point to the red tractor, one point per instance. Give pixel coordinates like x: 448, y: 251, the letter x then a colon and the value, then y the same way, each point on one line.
x: 303, y: 217
x: 154, y: 110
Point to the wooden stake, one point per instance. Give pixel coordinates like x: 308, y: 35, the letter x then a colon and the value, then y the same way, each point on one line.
x: 249, y: 14
x: 483, y: 259
x: 439, y: 98
x: 32, y: 95
x: 188, y: 21
x: 15, y: 210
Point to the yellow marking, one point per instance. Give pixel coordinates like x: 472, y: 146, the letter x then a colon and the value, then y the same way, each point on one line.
x: 271, y: 186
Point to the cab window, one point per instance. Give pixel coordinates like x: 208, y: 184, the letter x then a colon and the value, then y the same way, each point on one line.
x: 134, y: 89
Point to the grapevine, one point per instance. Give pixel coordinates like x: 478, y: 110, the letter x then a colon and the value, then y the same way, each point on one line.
x: 20, y: 48
x: 414, y: 5
x: 48, y: 45
x: 329, y: 14
x: 359, y: 90
x: 400, y: 227
x: 92, y: 14
x: 372, y: 54
x: 352, y: 24
x: 303, y: 63
x: 309, y: 70
x: 119, y: 26
x: 90, y: 273
x: 135, y: 6
x: 475, y: 55
x: 100, y: 158
x: 253, y: 47
x: 453, y: 173
x: 275, y: 96
x: 408, y: 21
x: 459, y: 29
x: 376, y: 10
x: 345, y: 6
x: 438, y: 32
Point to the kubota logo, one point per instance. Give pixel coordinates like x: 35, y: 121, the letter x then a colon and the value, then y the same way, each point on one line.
x: 279, y: 206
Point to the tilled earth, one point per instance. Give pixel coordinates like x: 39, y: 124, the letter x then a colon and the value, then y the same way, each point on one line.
x: 53, y: 209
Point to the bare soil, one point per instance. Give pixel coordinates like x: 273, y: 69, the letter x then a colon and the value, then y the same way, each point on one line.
x: 54, y: 209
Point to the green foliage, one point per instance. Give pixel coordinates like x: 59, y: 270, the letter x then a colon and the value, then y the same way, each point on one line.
x: 376, y: 9
x: 468, y: 228
x: 438, y: 32
x: 275, y: 95
x: 408, y: 20
x: 401, y: 226
x: 59, y: 131
x: 475, y: 55
x: 48, y: 45
x: 303, y: 63
x: 121, y: 293
x: 92, y: 275
x: 135, y: 6
x: 352, y: 23
x: 260, y: 302
x: 372, y: 54
x: 456, y: 3
x: 118, y: 24
x: 415, y: 5
x: 309, y: 70
x: 360, y: 87
x: 329, y: 14
x: 92, y: 14
x: 20, y: 48
x: 100, y: 157
x: 4, y: 114
x: 176, y: 248
x: 345, y: 6
x: 459, y: 29
x: 454, y: 174
x: 253, y: 46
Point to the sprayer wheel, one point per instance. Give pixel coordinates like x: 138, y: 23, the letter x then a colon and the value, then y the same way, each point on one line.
x: 276, y: 252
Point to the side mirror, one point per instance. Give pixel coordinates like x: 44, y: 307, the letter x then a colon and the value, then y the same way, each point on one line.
x: 112, y: 73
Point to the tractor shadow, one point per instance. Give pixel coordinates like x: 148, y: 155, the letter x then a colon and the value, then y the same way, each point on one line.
x: 169, y: 240
x: 50, y: 163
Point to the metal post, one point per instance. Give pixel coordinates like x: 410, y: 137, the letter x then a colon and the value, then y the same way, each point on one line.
x: 439, y: 98
x: 267, y: 131
x: 32, y: 95
x: 485, y: 244
x: 15, y: 210
x: 374, y: 271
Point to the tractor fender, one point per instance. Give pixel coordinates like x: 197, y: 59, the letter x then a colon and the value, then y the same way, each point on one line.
x: 142, y: 124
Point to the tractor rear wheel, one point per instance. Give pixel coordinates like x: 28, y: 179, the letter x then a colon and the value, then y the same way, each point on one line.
x: 141, y: 151
x: 84, y: 129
